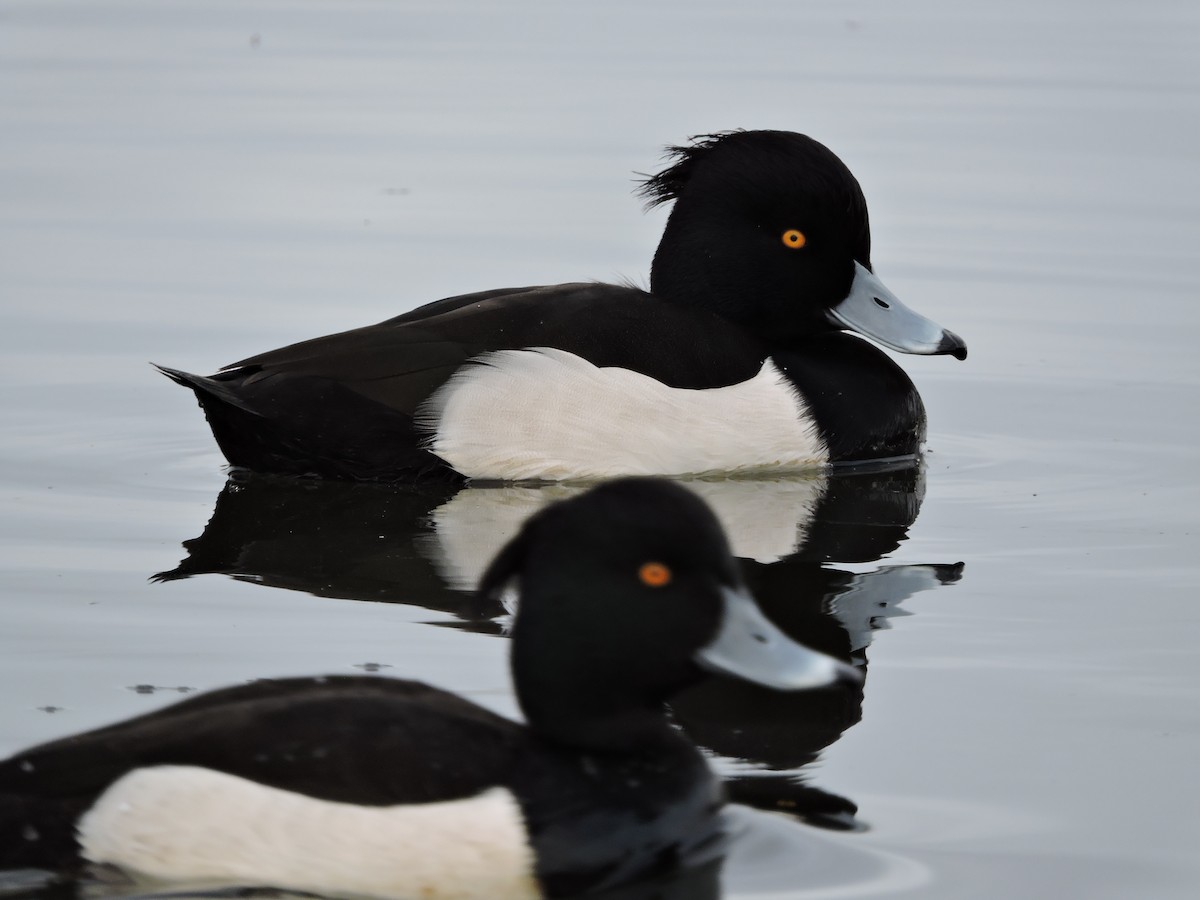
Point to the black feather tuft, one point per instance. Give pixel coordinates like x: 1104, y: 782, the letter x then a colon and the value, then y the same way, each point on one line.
x: 668, y: 184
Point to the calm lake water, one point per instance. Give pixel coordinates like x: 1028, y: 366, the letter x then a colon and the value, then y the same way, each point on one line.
x: 195, y: 181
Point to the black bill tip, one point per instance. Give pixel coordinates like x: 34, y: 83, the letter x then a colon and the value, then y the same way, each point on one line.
x: 952, y: 344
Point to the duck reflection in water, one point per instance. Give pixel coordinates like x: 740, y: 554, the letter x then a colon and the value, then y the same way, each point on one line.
x: 427, y: 545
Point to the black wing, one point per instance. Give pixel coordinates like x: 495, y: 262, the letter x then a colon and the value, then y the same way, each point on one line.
x: 342, y: 406
x: 373, y: 741
x: 401, y: 361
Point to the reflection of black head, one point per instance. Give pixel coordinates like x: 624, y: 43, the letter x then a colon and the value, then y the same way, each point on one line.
x: 784, y: 731
x: 861, y: 516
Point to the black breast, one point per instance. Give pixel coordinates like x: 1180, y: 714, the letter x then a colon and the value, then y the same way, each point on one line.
x: 865, y: 406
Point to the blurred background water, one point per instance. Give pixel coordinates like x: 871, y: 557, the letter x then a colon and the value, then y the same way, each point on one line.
x: 192, y: 182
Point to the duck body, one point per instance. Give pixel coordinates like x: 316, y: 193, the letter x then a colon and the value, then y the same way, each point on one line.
x: 377, y: 402
x: 544, y: 818
x: 734, y: 361
x: 385, y: 788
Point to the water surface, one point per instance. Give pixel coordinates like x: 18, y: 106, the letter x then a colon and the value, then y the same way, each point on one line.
x: 193, y: 182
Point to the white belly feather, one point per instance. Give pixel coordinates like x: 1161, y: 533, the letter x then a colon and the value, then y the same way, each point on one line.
x: 543, y: 413
x: 205, y: 828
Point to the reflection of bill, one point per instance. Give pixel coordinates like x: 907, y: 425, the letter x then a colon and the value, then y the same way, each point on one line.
x: 872, y: 598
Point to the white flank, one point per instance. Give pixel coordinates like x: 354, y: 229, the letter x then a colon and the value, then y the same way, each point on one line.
x: 542, y: 413
x: 193, y: 825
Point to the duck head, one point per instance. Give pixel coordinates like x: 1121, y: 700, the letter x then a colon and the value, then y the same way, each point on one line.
x: 628, y: 594
x: 770, y: 230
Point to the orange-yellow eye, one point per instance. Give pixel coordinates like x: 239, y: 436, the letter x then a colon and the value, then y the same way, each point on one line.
x: 654, y: 574
x: 794, y: 238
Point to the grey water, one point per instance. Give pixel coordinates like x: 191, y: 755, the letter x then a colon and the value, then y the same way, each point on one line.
x: 193, y: 182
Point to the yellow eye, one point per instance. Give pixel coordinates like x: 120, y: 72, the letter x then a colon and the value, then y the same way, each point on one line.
x: 654, y: 574
x: 794, y: 238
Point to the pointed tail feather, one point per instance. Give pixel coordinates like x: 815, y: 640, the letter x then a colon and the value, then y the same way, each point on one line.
x: 206, y: 388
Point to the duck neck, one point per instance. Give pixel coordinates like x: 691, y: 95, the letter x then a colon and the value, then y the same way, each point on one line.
x: 628, y: 731
x: 687, y: 272
x: 572, y: 697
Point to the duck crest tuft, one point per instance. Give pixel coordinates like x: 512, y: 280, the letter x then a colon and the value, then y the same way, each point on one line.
x: 668, y: 184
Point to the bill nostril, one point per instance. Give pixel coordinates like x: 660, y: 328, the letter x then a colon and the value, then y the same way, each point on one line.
x: 761, y: 638
x: 880, y: 302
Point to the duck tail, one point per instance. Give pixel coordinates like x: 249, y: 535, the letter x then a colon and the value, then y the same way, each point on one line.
x: 207, y: 389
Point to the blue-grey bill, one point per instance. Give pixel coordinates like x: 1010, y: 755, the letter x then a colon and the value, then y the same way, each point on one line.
x: 748, y: 646
x: 870, y: 309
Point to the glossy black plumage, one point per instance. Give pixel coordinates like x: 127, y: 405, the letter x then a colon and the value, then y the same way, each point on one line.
x: 726, y: 295
x: 607, y: 788
x: 374, y: 742
x: 864, y: 405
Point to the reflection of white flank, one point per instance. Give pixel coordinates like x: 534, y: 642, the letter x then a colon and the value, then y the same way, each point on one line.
x: 874, y: 597
x: 206, y: 828
x: 470, y: 528
x: 547, y: 414
x: 766, y: 520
